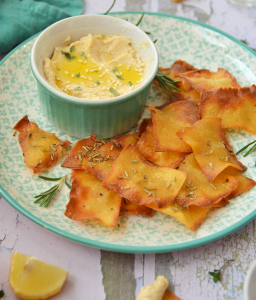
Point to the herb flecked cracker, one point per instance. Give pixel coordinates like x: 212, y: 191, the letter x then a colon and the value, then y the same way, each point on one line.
x: 139, y: 181
x: 89, y: 200
x: 236, y: 107
x: 244, y: 184
x: 210, y: 147
x: 133, y: 208
x: 168, y: 121
x: 207, y: 80
x: 124, y: 140
x: 197, y: 190
x: 40, y: 148
x: 92, y: 155
x: 146, y: 146
x: 191, y: 216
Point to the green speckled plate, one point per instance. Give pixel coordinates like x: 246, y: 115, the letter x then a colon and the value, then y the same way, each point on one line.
x: 178, y: 38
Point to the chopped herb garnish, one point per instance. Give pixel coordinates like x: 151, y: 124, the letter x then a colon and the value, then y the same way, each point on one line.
x: 85, y: 57
x: 67, y: 54
x: 78, y: 88
x: 77, y: 75
x: 115, y: 69
x: 213, y: 186
x: 216, y: 273
x: 119, y: 77
x: 168, y: 185
x: 97, y: 82
x: 130, y: 83
x: 72, y: 49
x: 134, y: 161
x: 113, y: 91
x: 82, y: 53
x: 73, y: 57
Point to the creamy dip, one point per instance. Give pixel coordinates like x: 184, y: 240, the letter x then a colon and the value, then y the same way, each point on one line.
x: 154, y: 291
x: 95, y: 67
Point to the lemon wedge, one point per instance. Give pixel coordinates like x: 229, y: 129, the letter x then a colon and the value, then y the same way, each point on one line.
x: 32, y: 278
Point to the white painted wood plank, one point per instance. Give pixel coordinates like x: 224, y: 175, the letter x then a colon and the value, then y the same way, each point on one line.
x: 17, y: 233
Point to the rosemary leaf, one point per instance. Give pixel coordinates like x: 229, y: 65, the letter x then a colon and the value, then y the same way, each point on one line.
x: 138, y: 23
x: 49, y: 178
x: 110, y: 8
x: 245, y: 147
x: 67, y: 184
x: 253, y: 148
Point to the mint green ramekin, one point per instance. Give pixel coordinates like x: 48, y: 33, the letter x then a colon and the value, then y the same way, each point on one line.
x: 81, y: 117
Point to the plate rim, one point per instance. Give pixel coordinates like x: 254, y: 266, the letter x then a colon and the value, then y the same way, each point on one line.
x: 125, y: 248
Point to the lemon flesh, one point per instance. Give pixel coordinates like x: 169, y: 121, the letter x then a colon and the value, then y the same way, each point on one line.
x: 32, y: 278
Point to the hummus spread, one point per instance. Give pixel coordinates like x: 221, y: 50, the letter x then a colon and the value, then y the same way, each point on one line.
x: 95, y: 67
x: 154, y: 291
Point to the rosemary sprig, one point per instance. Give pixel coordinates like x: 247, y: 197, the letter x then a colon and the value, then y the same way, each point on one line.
x: 216, y: 273
x: 166, y: 82
x: 110, y: 8
x: 253, y: 148
x: 46, y: 197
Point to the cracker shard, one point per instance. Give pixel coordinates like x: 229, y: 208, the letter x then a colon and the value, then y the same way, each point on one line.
x: 197, y: 190
x: 168, y: 121
x: 146, y: 146
x: 244, y: 185
x: 207, y: 80
x: 191, y: 217
x: 133, y: 208
x: 92, y: 156
x: 148, y: 184
x: 210, y: 147
x: 40, y: 148
x: 89, y: 200
x: 236, y: 107
x: 124, y: 140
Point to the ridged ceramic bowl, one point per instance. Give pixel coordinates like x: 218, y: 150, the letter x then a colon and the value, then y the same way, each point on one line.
x: 81, y: 117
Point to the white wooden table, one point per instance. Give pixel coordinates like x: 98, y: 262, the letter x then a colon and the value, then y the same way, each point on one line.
x: 98, y: 275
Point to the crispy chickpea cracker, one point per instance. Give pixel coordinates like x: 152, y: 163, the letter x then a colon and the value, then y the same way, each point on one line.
x: 40, y: 148
x: 236, y: 107
x: 89, y: 200
x: 139, y: 181
x: 207, y: 80
x: 197, y: 190
x: 244, y: 185
x: 124, y: 140
x: 133, y: 208
x: 146, y: 146
x: 168, y: 121
x: 210, y: 147
x: 93, y: 156
x: 191, y: 216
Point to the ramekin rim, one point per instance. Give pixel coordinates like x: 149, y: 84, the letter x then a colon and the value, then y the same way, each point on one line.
x: 84, y: 101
